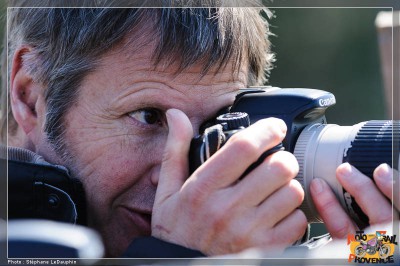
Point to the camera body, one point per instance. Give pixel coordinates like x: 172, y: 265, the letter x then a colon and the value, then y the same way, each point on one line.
x: 297, y: 107
x: 318, y: 147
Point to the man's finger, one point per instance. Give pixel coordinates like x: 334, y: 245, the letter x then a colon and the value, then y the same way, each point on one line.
x: 174, y: 167
x: 281, y: 203
x: 385, y: 177
x: 290, y: 229
x: 372, y: 202
x: 276, y: 170
x: 241, y: 150
x: 335, y: 218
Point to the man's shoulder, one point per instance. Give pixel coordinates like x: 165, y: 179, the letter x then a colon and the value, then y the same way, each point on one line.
x: 40, y: 190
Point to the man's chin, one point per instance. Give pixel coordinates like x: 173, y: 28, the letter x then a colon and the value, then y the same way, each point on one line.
x: 116, y: 246
x: 123, y: 230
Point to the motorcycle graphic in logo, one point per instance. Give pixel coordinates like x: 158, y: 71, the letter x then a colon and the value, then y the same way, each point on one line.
x: 371, y: 248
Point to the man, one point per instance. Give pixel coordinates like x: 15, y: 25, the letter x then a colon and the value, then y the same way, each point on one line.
x: 116, y: 95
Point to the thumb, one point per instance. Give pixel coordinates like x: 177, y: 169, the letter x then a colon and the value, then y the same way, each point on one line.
x: 174, y: 167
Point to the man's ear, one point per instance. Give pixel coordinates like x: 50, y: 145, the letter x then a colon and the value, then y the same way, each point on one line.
x: 25, y: 95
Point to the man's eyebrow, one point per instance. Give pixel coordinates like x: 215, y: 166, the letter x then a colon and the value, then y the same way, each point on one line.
x: 233, y: 87
x: 121, y: 99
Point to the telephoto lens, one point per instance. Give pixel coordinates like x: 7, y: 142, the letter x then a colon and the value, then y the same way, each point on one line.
x: 321, y: 148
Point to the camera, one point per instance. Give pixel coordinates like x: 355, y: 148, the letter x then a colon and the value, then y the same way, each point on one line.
x: 318, y: 147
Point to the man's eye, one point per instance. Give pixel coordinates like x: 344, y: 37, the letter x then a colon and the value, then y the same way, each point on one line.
x: 148, y: 116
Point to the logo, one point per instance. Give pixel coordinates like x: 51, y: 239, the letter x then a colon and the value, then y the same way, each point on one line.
x: 371, y: 248
x: 327, y: 102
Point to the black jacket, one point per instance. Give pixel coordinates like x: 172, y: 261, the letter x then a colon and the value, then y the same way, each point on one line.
x: 39, y: 190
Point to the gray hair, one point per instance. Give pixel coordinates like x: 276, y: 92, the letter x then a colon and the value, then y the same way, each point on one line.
x: 66, y: 43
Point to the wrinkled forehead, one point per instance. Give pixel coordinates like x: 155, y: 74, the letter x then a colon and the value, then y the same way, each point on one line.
x: 178, y: 39
x: 139, y: 60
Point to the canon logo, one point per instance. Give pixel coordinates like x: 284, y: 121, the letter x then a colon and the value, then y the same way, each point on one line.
x: 327, y: 102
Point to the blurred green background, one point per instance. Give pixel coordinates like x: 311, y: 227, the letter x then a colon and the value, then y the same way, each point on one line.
x: 333, y: 49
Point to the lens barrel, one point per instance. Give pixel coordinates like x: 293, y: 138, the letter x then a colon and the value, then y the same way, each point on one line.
x: 375, y: 143
x: 321, y: 148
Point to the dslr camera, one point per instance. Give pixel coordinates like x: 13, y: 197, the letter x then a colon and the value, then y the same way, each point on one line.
x: 319, y: 147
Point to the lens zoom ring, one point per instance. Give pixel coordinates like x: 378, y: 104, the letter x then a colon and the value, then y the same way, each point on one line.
x: 373, y: 145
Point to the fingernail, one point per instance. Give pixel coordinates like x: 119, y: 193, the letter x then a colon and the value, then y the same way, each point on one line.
x: 317, y: 186
x: 383, y: 172
x: 346, y: 170
x: 171, y: 112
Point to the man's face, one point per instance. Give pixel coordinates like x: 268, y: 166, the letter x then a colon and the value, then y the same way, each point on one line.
x: 117, y: 130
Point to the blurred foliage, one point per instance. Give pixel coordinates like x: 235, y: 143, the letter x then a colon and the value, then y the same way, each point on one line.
x: 3, y: 8
x: 333, y: 49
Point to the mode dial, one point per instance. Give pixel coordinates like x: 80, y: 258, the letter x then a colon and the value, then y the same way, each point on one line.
x: 235, y: 120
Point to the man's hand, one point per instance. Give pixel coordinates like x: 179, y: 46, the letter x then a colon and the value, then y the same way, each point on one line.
x: 373, y: 198
x: 215, y: 212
